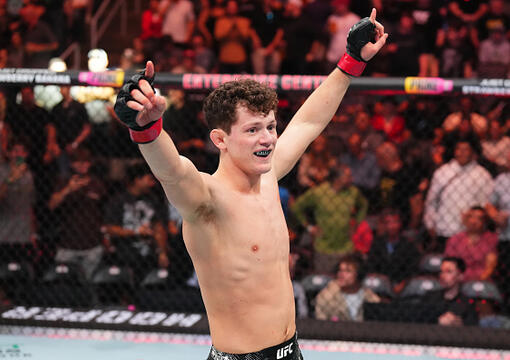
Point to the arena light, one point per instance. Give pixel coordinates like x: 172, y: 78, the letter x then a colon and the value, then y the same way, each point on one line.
x: 98, y: 60
x: 57, y: 64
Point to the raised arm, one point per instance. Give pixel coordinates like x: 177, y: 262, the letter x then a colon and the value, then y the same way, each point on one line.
x: 313, y: 116
x: 141, y: 110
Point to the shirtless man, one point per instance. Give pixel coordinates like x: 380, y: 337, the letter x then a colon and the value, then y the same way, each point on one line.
x: 233, y: 227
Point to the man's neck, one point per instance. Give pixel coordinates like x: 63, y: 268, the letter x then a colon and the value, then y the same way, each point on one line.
x: 452, y: 293
x: 234, y: 177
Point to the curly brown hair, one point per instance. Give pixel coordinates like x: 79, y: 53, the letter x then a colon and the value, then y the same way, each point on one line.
x: 220, y: 106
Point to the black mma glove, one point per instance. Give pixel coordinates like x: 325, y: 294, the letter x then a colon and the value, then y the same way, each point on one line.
x: 359, y: 35
x: 139, y: 134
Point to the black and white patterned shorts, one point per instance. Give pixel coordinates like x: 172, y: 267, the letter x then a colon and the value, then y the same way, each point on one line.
x: 288, y: 350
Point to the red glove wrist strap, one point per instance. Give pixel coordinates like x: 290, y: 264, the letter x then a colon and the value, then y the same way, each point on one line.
x: 147, y: 135
x: 351, y: 66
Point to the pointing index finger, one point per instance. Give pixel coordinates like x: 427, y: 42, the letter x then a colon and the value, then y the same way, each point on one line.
x: 149, y: 69
x: 372, y: 15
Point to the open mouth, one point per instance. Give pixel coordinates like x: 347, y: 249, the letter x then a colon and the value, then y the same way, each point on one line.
x: 262, y: 153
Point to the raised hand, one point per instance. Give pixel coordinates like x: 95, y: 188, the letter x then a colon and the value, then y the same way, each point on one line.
x: 150, y: 106
x: 139, y: 108
x: 370, y: 49
x: 365, y: 39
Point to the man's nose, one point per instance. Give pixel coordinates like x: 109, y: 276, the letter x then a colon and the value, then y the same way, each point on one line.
x: 267, y: 137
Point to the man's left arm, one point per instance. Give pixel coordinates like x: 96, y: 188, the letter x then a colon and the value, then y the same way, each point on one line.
x: 313, y: 116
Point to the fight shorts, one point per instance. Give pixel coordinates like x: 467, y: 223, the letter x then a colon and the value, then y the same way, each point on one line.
x: 288, y: 350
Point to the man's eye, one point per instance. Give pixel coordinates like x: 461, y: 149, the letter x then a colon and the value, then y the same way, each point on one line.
x: 252, y: 130
x: 270, y: 127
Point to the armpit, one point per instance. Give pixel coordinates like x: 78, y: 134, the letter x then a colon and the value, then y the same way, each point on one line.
x: 205, y: 212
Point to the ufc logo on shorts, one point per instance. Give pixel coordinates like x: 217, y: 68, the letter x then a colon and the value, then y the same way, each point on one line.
x: 284, y: 351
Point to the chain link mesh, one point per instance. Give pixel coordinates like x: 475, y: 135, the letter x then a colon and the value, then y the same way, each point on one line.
x: 380, y: 208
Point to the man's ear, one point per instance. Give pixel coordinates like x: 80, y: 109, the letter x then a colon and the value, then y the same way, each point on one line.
x: 218, y: 138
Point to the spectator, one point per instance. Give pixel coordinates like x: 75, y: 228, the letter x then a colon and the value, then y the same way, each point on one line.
x: 493, y: 19
x: 133, y: 59
x: 299, y: 291
x: 72, y: 126
x: 134, y: 221
x: 152, y: 22
x: 339, y: 24
x: 475, y: 245
x: 151, y: 32
x: 211, y: 11
x: 370, y: 138
x: 363, y: 163
x: 454, y: 51
x: 468, y: 12
x: 190, y: 135
x: 75, y: 15
x: 17, y: 195
x: 466, y: 111
x: 40, y: 41
x: 387, y: 120
x: 491, y: 315
x: 342, y: 299
x: 454, y: 188
x: 391, y: 254
x: 268, y: 35
x: 400, y: 183
x: 499, y: 210
x: 35, y: 127
x: 233, y: 34
x: 455, y: 308
x: 15, y: 51
x: 337, y: 207
x: 178, y: 20
x: 494, y: 55
x: 427, y: 20
x: 496, y: 148
x: 77, y: 202
x: 405, y: 48
x: 4, y: 132
x: 204, y: 56
x: 298, y: 35
x: 188, y: 64
x: 180, y: 264
x: 315, y: 164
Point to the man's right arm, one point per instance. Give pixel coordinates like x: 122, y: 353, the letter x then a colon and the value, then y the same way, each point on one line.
x: 141, y: 110
x: 183, y: 184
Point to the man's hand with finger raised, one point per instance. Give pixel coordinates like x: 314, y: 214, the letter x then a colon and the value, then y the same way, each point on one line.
x: 140, y: 108
x: 365, y: 39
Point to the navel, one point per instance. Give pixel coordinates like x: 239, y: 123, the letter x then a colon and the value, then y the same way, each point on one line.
x: 255, y: 248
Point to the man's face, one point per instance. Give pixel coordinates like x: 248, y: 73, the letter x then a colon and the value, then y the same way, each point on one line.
x: 362, y: 121
x: 344, y: 180
x: 252, y: 141
x: 81, y: 167
x: 497, y: 7
x: 474, y: 221
x: 354, y: 144
x: 145, y: 182
x: 495, y: 130
x: 463, y: 153
x: 449, y: 275
x: 393, y: 225
x: 18, y: 152
x: 346, y: 275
